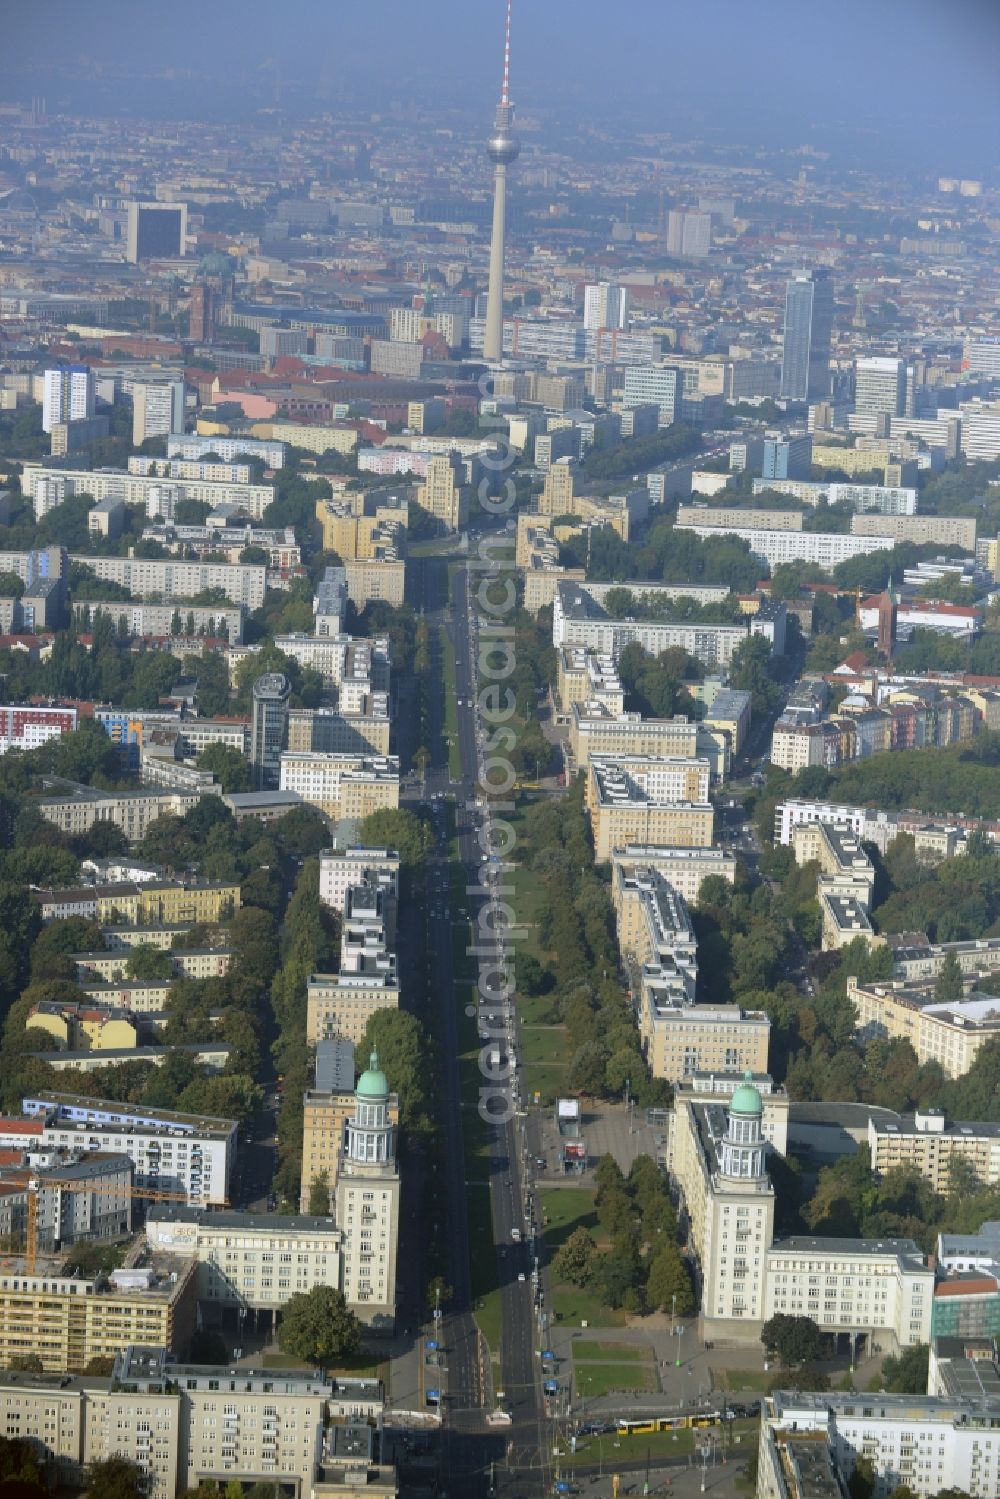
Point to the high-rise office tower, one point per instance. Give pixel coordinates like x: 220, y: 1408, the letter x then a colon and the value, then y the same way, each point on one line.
x: 605, y: 306
x: 880, y: 385
x: 502, y: 148
x: 805, y: 361
x: 268, y: 722
x: 68, y: 395
x: 157, y: 410
x: 156, y: 231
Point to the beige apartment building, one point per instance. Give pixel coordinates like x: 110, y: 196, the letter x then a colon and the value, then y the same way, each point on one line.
x: 684, y: 868
x: 930, y: 1143
x: 339, y: 1005
x: 622, y: 812
x: 379, y: 578
x: 76, y: 812
x: 584, y: 676
x: 182, y: 1423
x: 942, y: 530
x: 725, y: 517
x: 331, y: 732
x: 68, y: 1320
x: 594, y: 730
x: 443, y: 494
x: 681, y: 1039
x: 342, y: 785
x: 948, y: 1033
x: 615, y: 823
x: 662, y: 778
x: 718, y: 1159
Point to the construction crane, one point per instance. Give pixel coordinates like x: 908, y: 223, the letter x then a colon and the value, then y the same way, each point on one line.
x: 34, y: 1185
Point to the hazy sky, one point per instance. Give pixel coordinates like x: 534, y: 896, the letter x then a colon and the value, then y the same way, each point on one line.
x: 925, y: 72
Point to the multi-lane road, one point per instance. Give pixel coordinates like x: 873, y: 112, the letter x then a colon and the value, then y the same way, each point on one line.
x: 472, y: 1448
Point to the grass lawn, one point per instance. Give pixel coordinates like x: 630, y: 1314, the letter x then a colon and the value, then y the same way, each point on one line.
x: 487, y: 1314
x: 544, y: 1055
x: 742, y: 1379
x: 548, y: 1080
x: 601, y: 1379
x: 659, y: 1444
x: 563, y: 1210
x: 571, y: 1306
x: 544, y: 1043
x: 450, y: 711
x: 586, y: 1350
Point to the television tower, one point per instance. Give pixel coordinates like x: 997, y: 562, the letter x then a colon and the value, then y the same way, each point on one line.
x: 502, y: 148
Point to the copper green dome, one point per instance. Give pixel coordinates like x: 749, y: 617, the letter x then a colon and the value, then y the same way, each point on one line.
x: 372, y: 1084
x: 746, y: 1099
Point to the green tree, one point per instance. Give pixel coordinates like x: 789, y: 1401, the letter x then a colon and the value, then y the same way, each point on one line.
x: 907, y: 1374
x: 796, y: 1340
x: 114, y: 1478
x: 399, y: 829
x: 230, y: 768
x: 26, y: 1363
x: 668, y: 1278
x: 319, y: 1195
x: 863, y: 1480
x: 318, y: 1327
x: 149, y: 965
x: 948, y: 986
x: 576, y: 1258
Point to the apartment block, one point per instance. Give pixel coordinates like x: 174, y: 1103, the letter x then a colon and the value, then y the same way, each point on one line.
x: 949, y: 1033
x: 171, y: 1151
x: 811, y: 1443
x: 77, y: 811
x: 69, y: 1320
x: 253, y: 1260
x: 683, y: 868
x: 167, y: 578
x: 940, y: 530
x: 930, y: 1143
x: 343, y: 786
x: 679, y: 1039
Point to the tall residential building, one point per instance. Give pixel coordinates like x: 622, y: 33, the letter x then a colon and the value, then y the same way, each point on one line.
x: 442, y: 494
x: 805, y: 360
x: 787, y: 457
x: 605, y: 306
x: 267, y: 728
x: 503, y: 147
x: 156, y: 231
x: 689, y: 234
x: 880, y: 385
x: 157, y: 410
x: 68, y: 395
x: 367, y: 1201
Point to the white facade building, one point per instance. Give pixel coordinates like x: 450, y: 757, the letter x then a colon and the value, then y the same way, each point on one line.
x: 173, y: 1151
x: 68, y: 395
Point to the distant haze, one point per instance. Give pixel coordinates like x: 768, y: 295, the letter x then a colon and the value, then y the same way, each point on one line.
x: 878, y: 82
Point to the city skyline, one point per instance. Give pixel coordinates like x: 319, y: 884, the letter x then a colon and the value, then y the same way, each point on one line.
x: 713, y: 66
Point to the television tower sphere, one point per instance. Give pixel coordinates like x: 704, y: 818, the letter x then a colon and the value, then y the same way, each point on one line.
x: 503, y: 146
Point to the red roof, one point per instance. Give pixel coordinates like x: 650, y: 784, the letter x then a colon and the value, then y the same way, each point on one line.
x: 978, y: 1286
x: 21, y: 1126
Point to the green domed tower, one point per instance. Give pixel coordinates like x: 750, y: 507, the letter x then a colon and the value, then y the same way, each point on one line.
x: 743, y: 1146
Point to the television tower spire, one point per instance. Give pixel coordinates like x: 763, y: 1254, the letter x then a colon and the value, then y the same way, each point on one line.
x: 502, y: 148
